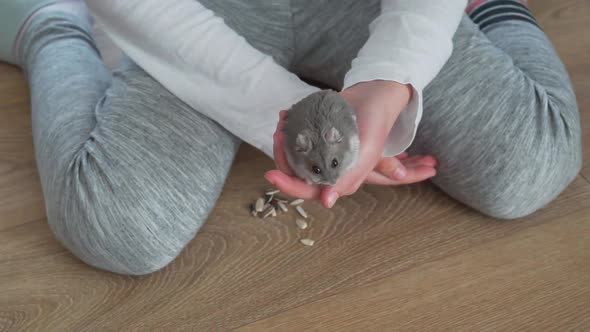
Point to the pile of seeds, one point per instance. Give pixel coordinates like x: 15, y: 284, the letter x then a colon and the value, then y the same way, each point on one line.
x: 272, y: 205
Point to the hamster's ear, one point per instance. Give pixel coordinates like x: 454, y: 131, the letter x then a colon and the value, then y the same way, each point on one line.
x: 303, y: 143
x: 333, y: 136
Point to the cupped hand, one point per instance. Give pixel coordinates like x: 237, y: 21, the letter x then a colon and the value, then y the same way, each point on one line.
x: 377, y: 105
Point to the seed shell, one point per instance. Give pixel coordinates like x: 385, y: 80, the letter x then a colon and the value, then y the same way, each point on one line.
x: 307, y: 242
x: 301, y: 211
x: 301, y: 224
x: 259, y: 204
x: 297, y: 202
x: 269, y: 212
x: 280, y: 199
x: 282, y: 206
x: 270, y: 192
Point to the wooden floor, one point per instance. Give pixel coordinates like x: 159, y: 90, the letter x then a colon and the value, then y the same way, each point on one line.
x: 416, y: 261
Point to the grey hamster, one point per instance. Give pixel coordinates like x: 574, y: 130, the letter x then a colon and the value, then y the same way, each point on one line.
x: 321, y: 137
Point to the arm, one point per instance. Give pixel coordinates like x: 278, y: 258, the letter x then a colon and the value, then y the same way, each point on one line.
x: 409, y: 43
x: 196, y: 56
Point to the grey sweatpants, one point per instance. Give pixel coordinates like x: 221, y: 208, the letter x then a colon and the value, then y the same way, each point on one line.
x: 130, y: 173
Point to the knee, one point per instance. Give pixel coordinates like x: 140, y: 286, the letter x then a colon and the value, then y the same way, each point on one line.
x: 132, y: 231
x: 110, y: 238
x: 118, y: 242
x: 507, y: 206
x: 527, y: 189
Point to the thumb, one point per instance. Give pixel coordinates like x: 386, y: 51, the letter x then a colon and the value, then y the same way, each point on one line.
x: 392, y: 168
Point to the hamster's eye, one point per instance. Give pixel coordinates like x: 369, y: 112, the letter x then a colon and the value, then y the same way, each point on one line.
x: 316, y: 169
x: 334, y: 163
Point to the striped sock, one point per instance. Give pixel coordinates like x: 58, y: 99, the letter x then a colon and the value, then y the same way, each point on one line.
x: 486, y: 13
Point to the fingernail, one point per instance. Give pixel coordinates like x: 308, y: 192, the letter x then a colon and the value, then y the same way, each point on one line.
x: 400, y: 173
x: 332, y: 198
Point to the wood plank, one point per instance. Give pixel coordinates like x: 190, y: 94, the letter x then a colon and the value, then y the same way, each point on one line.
x: 239, y: 269
x: 21, y: 199
x: 535, y: 280
x: 14, y: 91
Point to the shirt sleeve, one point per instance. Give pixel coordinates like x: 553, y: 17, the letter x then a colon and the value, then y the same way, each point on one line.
x: 196, y: 56
x: 409, y: 43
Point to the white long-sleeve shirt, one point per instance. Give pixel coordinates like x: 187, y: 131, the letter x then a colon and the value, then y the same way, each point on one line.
x: 196, y: 56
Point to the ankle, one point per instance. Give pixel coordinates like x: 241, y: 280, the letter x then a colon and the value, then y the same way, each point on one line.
x: 473, y: 4
x: 491, y: 13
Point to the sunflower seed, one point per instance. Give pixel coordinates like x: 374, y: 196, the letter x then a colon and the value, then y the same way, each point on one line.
x: 280, y: 199
x: 270, y: 192
x: 266, y: 207
x: 301, y: 211
x: 270, y: 199
x: 301, y: 224
x: 269, y: 212
x: 253, y: 210
x: 282, y: 206
x: 297, y: 201
x: 259, y: 204
x: 307, y: 242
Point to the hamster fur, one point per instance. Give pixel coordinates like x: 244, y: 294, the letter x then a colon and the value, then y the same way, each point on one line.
x: 321, y: 137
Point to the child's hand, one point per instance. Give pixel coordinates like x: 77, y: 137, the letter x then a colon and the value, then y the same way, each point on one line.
x: 377, y: 105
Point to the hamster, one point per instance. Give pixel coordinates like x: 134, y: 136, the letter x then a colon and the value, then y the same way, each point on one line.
x: 321, y: 137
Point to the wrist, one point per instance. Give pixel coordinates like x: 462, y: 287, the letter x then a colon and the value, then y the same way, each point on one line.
x: 390, y: 93
x: 385, y: 99
x: 394, y: 93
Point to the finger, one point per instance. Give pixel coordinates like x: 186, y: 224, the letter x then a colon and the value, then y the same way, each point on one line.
x: 429, y: 161
x: 414, y: 175
x: 416, y: 164
x: 402, y: 155
x: 391, y: 168
x: 380, y: 179
x: 279, y: 154
x: 292, y: 186
x: 329, y: 195
x: 420, y: 161
x: 347, y: 185
x: 282, y: 115
x: 418, y: 174
x: 278, y: 144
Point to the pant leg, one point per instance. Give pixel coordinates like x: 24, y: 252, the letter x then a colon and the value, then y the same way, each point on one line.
x: 501, y: 116
x: 129, y: 172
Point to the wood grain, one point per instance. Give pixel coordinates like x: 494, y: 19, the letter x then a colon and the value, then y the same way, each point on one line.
x: 20, y: 195
x: 533, y: 280
x: 239, y: 270
x: 415, y: 257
